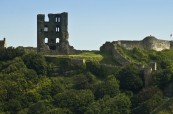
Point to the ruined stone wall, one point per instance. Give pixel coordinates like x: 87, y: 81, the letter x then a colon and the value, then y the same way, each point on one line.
x: 130, y: 44
x: 110, y: 47
x: 52, y: 35
x: 149, y: 42
x: 148, y: 73
x: 160, y: 45
x: 119, y: 58
x: 107, y: 47
x: 3, y: 43
x: 171, y: 44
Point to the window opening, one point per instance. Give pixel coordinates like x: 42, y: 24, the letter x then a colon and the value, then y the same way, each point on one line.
x: 46, y: 40
x: 57, y: 40
x: 45, y: 28
x: 58, y: 19
x: 57, y: 29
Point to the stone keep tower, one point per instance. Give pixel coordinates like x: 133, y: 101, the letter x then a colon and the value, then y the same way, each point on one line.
x: 52, y: 36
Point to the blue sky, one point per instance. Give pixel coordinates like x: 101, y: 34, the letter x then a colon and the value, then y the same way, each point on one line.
x: 91, y: 22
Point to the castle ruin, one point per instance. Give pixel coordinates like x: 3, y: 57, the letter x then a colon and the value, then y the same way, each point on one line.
x: 149, y: 42
x: 52, y: 35
x: 3, y: 43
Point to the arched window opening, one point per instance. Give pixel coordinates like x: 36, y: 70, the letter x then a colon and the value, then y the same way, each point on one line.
x: 57, y: 40
x: 46, y: 40
x: 57, y: 29
x: 58, y: 19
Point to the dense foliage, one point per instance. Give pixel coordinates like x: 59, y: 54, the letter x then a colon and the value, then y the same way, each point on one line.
x: 31, y: 83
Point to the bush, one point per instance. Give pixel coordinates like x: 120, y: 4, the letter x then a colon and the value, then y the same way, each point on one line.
x: 109, y: 87
x: 119, y: 104
x: 76, y: 100
x: 130, y: 79
x: 36, y: 62
x: 40, y: 107
x: 10, y: 53
x: 84, y: 81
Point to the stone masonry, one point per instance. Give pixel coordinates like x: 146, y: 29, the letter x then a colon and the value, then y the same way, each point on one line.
x: 3, y: 43
x: 52, y: 36
x: 149, y: 42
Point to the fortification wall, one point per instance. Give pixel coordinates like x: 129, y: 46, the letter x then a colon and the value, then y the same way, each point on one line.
x: 110, y: 47
x: 160, y: 45
x: 171, y: 44
x: 130, y: 44
x: 149, y: 42
x: 107, y: 47
x: 120, y: 58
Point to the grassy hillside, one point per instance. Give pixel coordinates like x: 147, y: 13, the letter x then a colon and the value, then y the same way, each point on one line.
x: 32, y: 83
x: 145, y: 57
x: 105, y: 58
x: 164, y: 60
x: 89, y: 56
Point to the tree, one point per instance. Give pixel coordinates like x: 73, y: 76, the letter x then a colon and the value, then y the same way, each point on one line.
x: 145, y: 95
x: 57, y: 85
x: 109, y: 87
x: 119, y: 104
x: 93, y: 108
x: 44, y: 87
x: 40, y: 107
x: 130, y: 79
x: 36, y: 62
x: 152, y: 103
x: 150, y: 99
x: 163, y: 77
x: 10, y: 53
x: 84, y: 81
x: 31, y: 75
x: 76, y: 100
x: 59, y: 111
